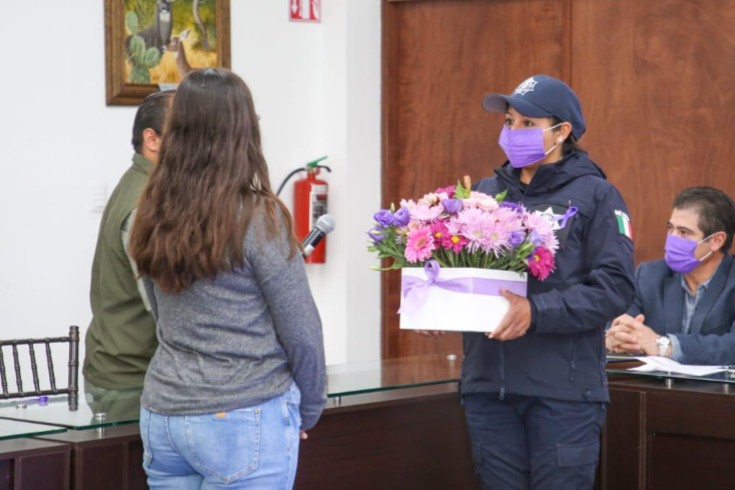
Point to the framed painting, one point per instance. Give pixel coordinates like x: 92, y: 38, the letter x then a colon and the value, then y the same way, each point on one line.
x: 151, y: 44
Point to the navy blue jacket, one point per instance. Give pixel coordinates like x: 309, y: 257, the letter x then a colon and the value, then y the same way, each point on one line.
x: 660, y: 297
x: 563, y: 354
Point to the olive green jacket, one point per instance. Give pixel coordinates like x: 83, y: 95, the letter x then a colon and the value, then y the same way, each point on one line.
x: 121, y: 338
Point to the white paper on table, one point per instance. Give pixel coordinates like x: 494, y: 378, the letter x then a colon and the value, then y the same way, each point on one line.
x: 657, y: 363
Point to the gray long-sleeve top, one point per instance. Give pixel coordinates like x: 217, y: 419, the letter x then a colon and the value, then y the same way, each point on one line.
x: 239, y: 339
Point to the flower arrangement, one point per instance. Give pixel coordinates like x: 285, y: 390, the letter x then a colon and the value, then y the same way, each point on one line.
x: 458, y: 227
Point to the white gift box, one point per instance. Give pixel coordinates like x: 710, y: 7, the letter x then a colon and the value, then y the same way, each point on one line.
x: 458, y: 299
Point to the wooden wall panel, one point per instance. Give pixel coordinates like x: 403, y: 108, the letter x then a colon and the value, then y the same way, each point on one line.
x: 657, y: 82
x: 440, y: 58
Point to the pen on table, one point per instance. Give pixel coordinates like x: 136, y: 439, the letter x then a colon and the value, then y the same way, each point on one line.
x: 41, y: 401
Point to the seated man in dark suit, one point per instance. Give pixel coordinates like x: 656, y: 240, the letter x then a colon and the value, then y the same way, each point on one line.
x: 684, y: 307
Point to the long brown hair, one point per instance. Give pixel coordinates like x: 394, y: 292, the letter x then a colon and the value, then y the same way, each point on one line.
x: 210, y: 180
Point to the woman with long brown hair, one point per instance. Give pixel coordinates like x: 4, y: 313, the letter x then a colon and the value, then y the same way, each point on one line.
x: 239, y: 372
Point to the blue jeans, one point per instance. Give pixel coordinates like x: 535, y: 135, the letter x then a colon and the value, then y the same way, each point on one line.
x: 255, y: 447
x: 524, y: 442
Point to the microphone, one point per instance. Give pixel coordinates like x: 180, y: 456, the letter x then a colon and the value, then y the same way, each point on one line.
x: 324, y: 225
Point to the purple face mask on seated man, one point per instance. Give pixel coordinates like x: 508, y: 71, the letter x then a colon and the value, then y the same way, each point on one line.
x: 679, y: 253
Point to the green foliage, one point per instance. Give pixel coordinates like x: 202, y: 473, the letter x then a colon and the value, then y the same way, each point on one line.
x: 140, y: 74
x: 136, y: 50
x: 131, y: 22
x: 391, y: 247
x: 183, y: 14
x: 461, y: 192
x: 145, y: 9
x: 141, y: 58
x: 152, y: 57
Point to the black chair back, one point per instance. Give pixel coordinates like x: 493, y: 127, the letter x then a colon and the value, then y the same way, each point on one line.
x: 72, y: 385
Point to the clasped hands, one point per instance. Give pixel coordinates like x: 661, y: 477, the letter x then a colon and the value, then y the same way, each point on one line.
x: 515, y: 323
x: 631, y: 335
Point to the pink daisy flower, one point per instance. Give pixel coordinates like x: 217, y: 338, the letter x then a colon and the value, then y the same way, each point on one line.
x: 540, y: 263
x: 420, y: 245
x: 482, y: 230
x: 449, y: 191
x: 438, y: 232
x: 455, y: 243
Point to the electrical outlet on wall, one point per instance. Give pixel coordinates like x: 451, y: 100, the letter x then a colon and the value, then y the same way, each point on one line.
x: 99, y: 197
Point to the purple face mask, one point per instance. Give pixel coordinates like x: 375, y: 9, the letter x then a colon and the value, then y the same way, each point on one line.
x: 679, y: 253
x: 524, y: 147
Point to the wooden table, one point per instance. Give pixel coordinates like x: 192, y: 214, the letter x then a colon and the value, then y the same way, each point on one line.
x: 669, y: 436
x: 32, y: 464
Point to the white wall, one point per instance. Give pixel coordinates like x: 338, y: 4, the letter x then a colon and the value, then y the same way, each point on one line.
x: 316, y: 86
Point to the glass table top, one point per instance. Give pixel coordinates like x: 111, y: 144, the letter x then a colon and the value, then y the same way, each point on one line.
x: 720, y: 377
x: 13, y: 429
x: 392, y: 374
x: 123, y: 406
x: 115, y: 407
x: 621, y: 364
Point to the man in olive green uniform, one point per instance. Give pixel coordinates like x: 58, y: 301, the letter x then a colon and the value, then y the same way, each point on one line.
x: 121, y: 338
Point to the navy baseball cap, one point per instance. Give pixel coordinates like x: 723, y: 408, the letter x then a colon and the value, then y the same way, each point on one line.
x: 541, y: 96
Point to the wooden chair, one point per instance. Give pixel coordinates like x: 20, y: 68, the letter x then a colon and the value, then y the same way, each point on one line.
x: 72, y: 386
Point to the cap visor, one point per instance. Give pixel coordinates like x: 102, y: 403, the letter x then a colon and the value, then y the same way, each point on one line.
x: 500, y: 103
x: 495, y: 103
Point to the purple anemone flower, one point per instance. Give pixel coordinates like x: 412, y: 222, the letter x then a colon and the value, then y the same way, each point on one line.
x: 401, y: 217
x: 452, y: 206
x: 376, y: 235
x: 383, y: 217
x: 516, y: 238
x: 511, y: 205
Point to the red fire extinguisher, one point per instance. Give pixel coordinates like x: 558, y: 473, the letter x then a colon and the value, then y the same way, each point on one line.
x: 310, y: 203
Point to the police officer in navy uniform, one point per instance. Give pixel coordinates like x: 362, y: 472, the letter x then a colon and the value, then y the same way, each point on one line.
x: 535, y: 389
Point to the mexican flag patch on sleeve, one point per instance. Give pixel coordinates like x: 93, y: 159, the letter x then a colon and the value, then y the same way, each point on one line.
x: 624, y: 227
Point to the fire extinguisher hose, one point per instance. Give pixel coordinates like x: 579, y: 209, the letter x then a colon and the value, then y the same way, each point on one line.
x: 302, y: 169
x: 288, y: 177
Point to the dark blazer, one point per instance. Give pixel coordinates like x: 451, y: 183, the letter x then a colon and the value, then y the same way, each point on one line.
x: 660, y: 297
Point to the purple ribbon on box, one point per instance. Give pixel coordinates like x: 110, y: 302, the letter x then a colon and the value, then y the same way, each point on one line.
x: 415, y: 289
